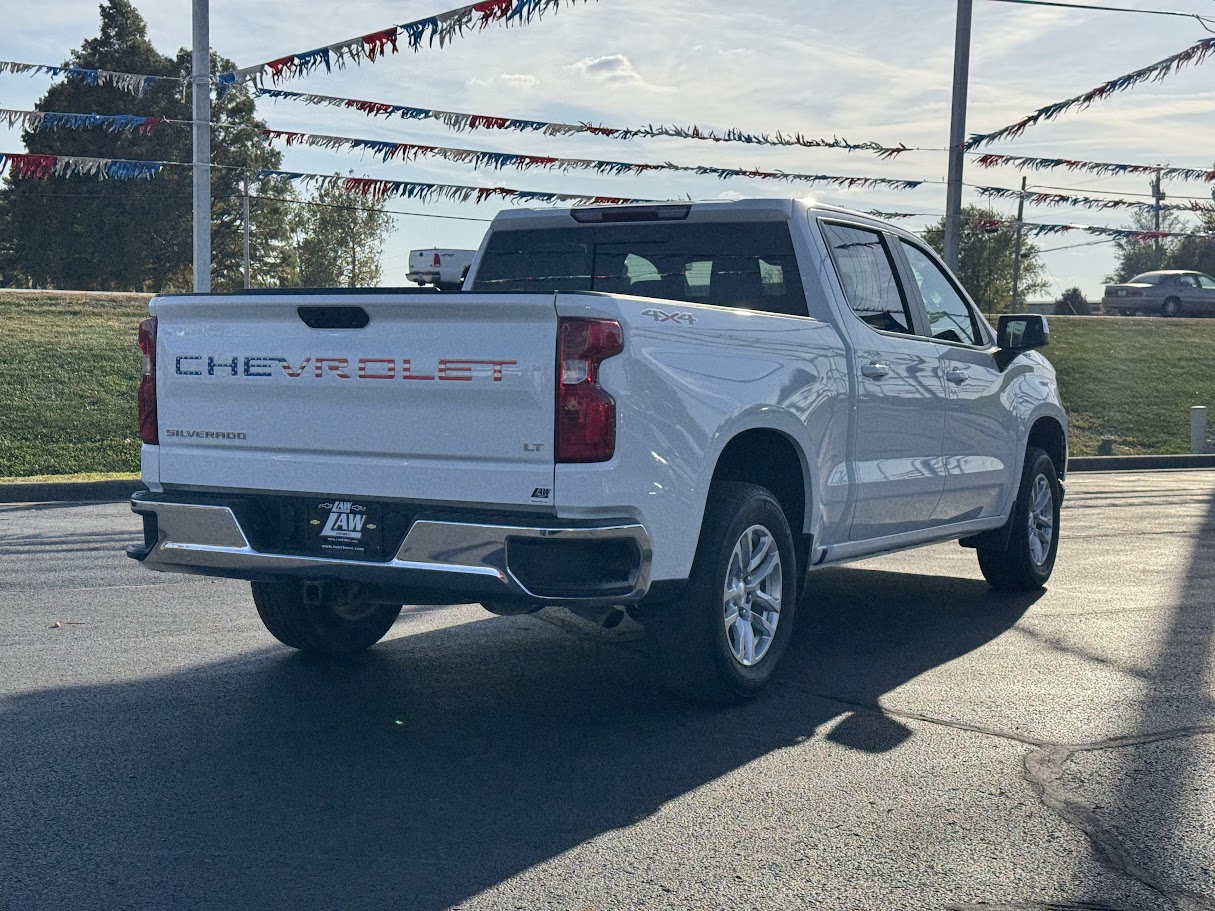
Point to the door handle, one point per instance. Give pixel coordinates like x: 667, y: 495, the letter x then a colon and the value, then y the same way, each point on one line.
x: 875, y: 371
x: 956, y: 376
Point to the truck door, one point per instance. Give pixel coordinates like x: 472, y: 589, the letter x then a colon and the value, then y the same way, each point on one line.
x: 900, y: 402
x: 982, y: 437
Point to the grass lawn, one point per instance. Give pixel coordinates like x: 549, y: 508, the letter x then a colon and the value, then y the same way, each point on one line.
x: 1133, y: 379
x: 69, y: 368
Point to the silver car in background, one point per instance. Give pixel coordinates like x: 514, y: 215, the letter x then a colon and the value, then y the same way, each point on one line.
x: 1172, y: 292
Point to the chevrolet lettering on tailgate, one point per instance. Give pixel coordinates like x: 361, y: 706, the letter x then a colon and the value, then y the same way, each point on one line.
x: 364, y: 368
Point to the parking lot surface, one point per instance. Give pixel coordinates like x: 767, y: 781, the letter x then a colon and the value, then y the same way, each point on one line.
x: 928, y: 744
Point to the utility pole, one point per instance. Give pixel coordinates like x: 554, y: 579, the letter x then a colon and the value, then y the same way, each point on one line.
x: 244, y: 212
x: 1159, y: 197
x: 957, y: 135
x: 200, y: 72
x: 354, y: 260
x: 1016, y: 295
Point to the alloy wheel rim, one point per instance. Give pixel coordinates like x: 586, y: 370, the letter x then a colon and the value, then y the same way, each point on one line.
x: 752, y: 595
x: 1041, y: 520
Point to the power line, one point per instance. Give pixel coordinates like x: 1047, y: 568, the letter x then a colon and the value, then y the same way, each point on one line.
x: 1089, y: 243
x: 1202, y: 20
x: 332, y: 205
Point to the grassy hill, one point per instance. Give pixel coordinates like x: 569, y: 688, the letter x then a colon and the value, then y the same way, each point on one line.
x: 69, y: 368
x: 1133, y: 379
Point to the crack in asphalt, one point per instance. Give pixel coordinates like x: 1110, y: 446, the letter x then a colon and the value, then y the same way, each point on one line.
x: 1043, y: 769
x: 1044, y: 773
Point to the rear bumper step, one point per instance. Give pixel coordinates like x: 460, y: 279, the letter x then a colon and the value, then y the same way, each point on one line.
x: 470, y: 561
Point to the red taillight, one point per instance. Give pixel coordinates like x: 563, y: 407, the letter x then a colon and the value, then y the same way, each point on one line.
x: 148, y: 430
x: 586, y: 415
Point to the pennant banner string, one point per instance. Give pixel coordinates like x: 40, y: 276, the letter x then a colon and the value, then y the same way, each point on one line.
x: 1195, y: 54
x: 1039, y: 229
x: 35, y: 121
x: 45, y: 120
x: 127, y: 82
x: 480, y: 158
x: 379, y: 190
x: 1105, y: 168
x: 440, y: 29
x: 22, y: 166
x: 461, y: 122
x: 498, y: 160
x: 1089, y: 202
x: 41, y: 167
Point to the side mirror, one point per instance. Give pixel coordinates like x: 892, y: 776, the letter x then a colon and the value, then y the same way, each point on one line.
x: 1022, y: 332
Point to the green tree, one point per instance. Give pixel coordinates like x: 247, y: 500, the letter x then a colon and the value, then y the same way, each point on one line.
x: 1197, y: 253
x: 1138, y: 256
x: 1072, y: 303
x: 85, y: 233
x: 985, y: 260
x: 342, y: 236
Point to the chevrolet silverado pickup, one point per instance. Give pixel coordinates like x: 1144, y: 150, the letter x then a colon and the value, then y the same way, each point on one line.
x: 673, y: 410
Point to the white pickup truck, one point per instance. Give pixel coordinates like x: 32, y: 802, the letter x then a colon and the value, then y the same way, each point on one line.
x: 445, y: 269
x: 675, y: 410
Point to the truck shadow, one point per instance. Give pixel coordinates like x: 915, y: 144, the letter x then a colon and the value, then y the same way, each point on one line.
x: 435, y: 767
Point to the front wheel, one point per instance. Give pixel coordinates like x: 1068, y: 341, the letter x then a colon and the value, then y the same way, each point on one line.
x: 1024, y: 562
x: 332, y: 628
x: 723, y: 642
x: 1171, y: 307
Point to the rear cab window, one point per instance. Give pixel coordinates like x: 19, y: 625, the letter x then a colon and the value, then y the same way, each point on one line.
x: 740, y: 265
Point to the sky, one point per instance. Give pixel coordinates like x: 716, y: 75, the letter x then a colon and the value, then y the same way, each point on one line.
x: 862, y: 69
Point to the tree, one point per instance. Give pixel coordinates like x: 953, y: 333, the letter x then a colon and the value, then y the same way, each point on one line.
x: 84, y: 233
x: 1139, y: 256
x: 985, y: 260
x: 342, y: 237
x: 1197, y: 253
x: 1072, y: 303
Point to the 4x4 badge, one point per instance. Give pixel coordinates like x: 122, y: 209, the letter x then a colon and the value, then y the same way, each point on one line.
x: 661, y: 316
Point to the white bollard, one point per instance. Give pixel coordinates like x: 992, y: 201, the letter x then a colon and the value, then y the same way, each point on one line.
x: 1198, y: 429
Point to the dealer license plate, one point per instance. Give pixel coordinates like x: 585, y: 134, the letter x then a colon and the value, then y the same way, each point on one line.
x: 346, y: 528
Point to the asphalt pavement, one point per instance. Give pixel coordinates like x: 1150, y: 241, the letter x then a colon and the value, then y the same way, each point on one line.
x: 929, y: 744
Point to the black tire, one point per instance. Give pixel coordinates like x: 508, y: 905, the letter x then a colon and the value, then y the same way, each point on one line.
x: 690, y: 635
x: 328, y: 629
x: 1022, y: 563
x: 1171, y: 307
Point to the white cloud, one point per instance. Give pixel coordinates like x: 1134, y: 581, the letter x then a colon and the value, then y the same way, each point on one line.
x: 614, y: 70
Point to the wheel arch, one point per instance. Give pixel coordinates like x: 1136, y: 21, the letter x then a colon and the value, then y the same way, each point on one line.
x: 1048, y: 435
x: 772, y: 459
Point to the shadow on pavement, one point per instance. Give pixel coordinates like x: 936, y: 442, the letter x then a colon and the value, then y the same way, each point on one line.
x: 1155, y: 793
x: 430, y: 769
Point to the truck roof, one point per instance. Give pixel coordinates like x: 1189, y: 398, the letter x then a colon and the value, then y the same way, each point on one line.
x: 711, y: 210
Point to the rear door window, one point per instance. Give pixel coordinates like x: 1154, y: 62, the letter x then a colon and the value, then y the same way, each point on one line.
x: 869, y: 277
x: 747, y: 265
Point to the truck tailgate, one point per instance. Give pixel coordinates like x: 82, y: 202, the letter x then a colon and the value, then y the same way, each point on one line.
x: 438, y: 397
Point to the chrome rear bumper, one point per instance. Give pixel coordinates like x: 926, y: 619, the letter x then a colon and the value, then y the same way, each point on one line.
x: 468, y: 561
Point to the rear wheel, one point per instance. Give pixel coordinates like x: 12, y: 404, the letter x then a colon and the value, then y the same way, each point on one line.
x: 1171, y: 307
x: 723, y: 641
x: 325, y: 627
x: 1024, y: 562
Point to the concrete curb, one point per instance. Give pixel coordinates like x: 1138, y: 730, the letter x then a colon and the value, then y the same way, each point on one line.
x: 68, y: 491
x: 1139, y: 462
x: 86, y: 491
